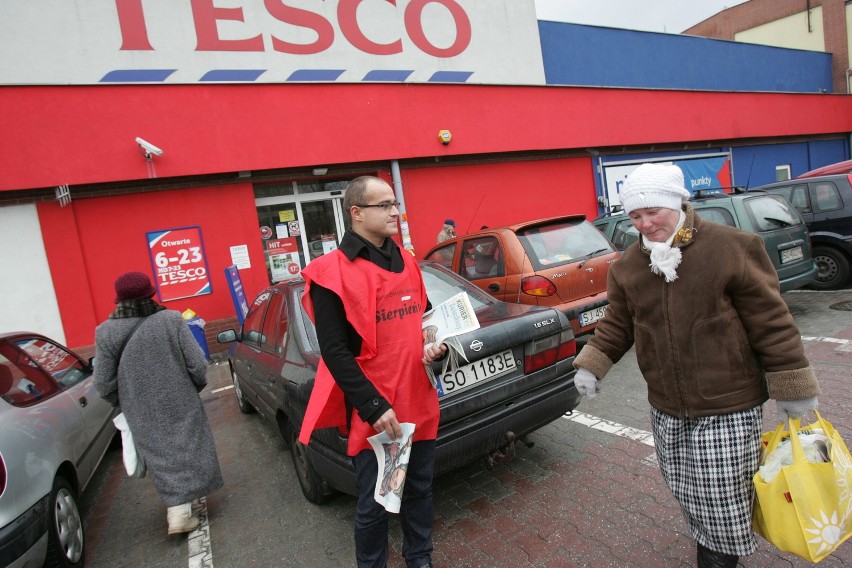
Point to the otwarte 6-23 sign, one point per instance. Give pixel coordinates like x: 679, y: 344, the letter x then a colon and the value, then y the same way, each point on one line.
x: 177, y: 257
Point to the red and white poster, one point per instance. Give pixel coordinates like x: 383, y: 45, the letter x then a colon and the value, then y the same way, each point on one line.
x: 177, y: 257
x: 283, y: 258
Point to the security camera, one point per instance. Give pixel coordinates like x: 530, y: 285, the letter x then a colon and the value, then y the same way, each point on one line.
x: 148, y: 148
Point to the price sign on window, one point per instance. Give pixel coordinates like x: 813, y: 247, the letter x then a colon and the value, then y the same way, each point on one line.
x: 177, y: 257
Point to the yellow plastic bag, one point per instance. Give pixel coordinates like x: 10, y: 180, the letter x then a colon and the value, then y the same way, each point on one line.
x: 807, y: 509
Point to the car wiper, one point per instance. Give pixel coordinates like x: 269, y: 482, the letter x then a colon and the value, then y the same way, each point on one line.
x: 780, y: 222
x: 590, y: 255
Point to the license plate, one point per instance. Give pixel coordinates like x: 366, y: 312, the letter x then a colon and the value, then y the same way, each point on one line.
x: 791, y: 254
x: 473, y: 373
x: 590, y: 317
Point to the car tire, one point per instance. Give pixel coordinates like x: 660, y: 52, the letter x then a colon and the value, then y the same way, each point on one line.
x: 313, y: 487
x: 65, y: 539
x: 833, y: 268
x: 242, y: 401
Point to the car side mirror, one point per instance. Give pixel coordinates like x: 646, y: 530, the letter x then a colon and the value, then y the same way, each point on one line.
x: 227, y: 336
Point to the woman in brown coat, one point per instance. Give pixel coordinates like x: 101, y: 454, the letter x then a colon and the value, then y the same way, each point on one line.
x: 714, y: 340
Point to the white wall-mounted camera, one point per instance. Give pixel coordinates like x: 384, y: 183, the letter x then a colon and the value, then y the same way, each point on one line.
x: 148, y: 148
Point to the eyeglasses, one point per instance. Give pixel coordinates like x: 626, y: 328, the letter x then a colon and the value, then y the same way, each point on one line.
x: 386, y: 207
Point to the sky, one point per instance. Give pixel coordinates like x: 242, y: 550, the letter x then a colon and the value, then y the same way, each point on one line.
x: 669, y: 16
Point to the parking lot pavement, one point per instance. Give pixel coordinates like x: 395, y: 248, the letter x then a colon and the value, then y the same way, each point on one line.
x: 586, y: 493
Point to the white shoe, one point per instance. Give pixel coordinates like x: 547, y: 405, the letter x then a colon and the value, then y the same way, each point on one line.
x: 181, y: 519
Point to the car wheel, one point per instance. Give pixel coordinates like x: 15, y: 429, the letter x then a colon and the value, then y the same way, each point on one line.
x: 245, y: 405
x: 313, y: 487
x: 833, y: 268
x: 65, y: 533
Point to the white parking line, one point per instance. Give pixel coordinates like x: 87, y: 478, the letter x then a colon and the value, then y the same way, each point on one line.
x: 611, y: 427
x: 214, y: 391
x: 616, y: 429
x: 826, y: 339
x: 200, y: 546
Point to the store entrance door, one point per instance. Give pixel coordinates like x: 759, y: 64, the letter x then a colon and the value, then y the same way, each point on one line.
x: 298, y: 225
x: 324, y: 224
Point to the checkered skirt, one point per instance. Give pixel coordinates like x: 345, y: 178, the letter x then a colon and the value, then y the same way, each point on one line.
x: 709, y: 463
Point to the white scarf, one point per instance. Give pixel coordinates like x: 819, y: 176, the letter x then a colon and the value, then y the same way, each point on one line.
x: 664, y: 258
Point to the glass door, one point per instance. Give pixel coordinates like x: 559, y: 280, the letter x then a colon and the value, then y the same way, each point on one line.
x: 323, y: 225
x: 298, y: 223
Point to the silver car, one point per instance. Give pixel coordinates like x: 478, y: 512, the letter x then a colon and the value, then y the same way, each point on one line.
x: 54, y: 431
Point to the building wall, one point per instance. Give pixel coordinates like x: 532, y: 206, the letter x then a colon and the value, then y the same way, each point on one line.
x: 835, y: 16
x: 495, y: 194
x: 588, y: 55
x: 85, y: 135
x: 725, y: 24
x: 755, y: 165
x: 790, y: 31
x: 92, y: 241
x: 29, y: 300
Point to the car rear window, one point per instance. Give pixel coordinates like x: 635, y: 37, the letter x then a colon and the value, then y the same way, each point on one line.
x: 771, y: 212
x: 563, y: 243
x: 715, y: 215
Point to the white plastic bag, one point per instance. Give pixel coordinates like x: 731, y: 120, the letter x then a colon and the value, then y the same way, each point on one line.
x: 816, y: 446
x: 133, y: 462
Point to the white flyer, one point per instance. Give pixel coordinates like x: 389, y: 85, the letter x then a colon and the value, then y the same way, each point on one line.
x: 392, y: 457
x: 454, y: 316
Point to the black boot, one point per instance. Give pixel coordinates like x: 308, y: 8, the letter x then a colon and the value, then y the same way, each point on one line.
x: 711, y: 559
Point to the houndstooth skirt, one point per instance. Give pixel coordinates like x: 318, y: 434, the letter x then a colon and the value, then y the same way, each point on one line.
x: 709, y: 463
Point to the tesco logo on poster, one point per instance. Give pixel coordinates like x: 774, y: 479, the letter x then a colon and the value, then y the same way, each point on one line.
x: 207, y: 19
x: 179, y: 263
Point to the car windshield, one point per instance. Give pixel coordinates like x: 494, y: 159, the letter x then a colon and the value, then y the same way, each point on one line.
x: 562, y: 243
x: 771, y: 212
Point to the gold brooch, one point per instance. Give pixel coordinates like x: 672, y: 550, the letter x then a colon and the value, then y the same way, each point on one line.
x: 684, y: 235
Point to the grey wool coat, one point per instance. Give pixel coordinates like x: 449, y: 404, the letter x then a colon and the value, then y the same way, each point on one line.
x: 161, y: 372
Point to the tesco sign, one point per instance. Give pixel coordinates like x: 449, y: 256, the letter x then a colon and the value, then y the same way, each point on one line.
x: 206, y: 16
x: 189, y: 41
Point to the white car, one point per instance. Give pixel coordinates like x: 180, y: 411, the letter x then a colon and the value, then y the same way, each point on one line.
x: 54, y: 431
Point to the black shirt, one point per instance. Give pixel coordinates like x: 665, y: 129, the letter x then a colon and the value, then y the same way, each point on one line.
x: 338, y: 340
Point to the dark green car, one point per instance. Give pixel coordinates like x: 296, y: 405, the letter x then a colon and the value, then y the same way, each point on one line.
x: 771, y: 216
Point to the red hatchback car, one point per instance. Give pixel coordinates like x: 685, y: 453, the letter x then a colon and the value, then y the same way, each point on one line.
x: 559, y: 262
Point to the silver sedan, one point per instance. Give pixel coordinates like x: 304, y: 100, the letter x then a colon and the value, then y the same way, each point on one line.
x: 54, y: 431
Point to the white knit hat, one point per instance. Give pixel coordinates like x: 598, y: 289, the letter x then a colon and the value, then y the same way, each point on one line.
x: 654, y: 185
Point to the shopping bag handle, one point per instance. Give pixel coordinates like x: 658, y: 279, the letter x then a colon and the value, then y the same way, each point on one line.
x: 794, y: 426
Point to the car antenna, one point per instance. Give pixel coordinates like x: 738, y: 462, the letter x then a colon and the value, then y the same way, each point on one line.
x: 748, y: 179
x: 475, y: 212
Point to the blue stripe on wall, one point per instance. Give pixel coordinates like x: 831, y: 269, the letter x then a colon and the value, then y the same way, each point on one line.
x: 137, y: 75
x: 595, y: 56
x: 450, y: 76
x: 315, y: 75
x: 387, y: 75
x: 235, y: 75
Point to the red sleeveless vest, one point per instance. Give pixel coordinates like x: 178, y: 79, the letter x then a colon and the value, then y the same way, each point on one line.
x: 386, y: 310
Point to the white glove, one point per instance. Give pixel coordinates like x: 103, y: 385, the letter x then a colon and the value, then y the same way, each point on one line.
x: 788, y: 409
x: 587, y: 383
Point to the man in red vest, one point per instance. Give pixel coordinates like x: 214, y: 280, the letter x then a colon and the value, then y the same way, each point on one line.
x: 367, y: 300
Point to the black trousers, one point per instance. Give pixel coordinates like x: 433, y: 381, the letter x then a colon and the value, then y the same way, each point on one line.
x: 416, y: 513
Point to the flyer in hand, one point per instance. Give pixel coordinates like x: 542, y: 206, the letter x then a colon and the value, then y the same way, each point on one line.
x: 392, y: 456
x: 443, y: 323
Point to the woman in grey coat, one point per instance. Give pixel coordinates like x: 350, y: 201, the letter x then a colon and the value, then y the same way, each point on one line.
x: 156, y: 381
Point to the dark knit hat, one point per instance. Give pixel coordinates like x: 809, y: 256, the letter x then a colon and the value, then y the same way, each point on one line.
x: 133, y: 286
x: 450, y: 222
